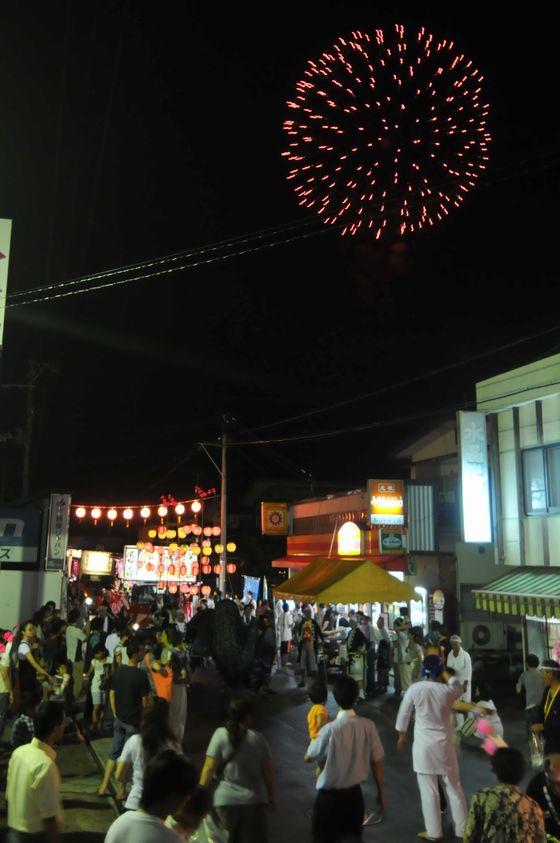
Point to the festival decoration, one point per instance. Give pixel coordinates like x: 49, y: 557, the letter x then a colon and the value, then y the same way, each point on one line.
x: 231, y: 547
x: 80, y: 512
x: 219, y: 548
x: 217, y: 570
x: 112, y: 515
x: 162, y: 512
x: 179, y: 511
x: 206, y: 590
x: 231, y: 568
x: 387, y: 133
x: 145, y: 513
x: 196, y: 506
x: 128, y: 515
x: 206, y: 569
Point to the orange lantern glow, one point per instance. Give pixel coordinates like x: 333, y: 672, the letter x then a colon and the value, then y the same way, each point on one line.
x: 231, y: 568
x: 216, y: 531
x: 128, y: 515
x: 161, y: 569
x: 217, y: 570
x: 188, y: 529
x: 162, y: 532
x: 183, y: 588
x: 196, y: 506
x: 207, y: 531
x: 206, y: 569
x: 149, y: 566
x: 231, y: 547
x: 206, y: 590
x: 149, y: 547
x: 112, y: 514
x: 96, y: 514
x: 197, y: 531
x: 81, y: 512
x: 173, y: 588
x: 152, y: 534
x: 206, y: 543
x: 182, y: 533
x: 183, y: 571
x: 161, y: 585
x: 145, y: 513
x: 171, y: 570
x: 195, y: 567
x: 193, y: 589
x: 179, y: 510
x: 162, y: 512
x: 171, y: 534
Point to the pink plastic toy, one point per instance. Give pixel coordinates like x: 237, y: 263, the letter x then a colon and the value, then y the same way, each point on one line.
x: 489, y: 746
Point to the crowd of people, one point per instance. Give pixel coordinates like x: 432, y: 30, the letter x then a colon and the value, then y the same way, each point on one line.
x: 136, y: 679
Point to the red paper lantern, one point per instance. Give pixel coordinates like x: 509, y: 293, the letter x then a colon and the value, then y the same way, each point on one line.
x: 195, y: 567
x: 231, y: 568
x: 217, y: 570
x: 207, y: 531
x: 206, y: 569
x: 193, y: 589
x: 162, y: 532
x: 171, y: 570
x: 149, y: 547
x: 173, y: 588
x: 197, y: 531
x: 160, y: 569
x: 149, y: 566
x: 183, y: 588
x: 216, y: 531
x: 161, y: 585
x: 183, y: 570
x: 206, y: 590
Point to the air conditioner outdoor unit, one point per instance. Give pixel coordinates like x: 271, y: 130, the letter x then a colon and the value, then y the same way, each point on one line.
x: 481, y: 635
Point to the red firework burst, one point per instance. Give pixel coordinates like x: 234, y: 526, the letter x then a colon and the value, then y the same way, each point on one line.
x: 387, y: 134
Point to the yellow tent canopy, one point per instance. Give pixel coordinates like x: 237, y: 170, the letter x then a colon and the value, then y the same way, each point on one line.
x: 339, y: 580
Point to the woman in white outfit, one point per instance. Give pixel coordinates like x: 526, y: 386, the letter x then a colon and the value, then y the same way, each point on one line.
x: 433, y: 753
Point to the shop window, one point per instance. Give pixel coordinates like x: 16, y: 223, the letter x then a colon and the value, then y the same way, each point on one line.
x: 541, y: 480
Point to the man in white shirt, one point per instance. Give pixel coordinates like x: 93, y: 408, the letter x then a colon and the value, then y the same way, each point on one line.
x: 460, y: 661
x: 349, y: 748
x: 169, y: 780
x: 33, y: 786
x: 75, y: 649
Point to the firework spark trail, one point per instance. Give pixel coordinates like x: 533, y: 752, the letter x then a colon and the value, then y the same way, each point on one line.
x: 387, y: 134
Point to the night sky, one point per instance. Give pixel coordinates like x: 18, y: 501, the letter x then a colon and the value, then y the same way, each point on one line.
x: 133, y: 130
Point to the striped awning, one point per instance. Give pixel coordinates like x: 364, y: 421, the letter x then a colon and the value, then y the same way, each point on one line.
x: 528, y: 591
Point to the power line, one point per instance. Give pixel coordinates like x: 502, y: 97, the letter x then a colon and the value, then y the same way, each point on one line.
x: 408, y: 382
x: 238, y: 240
x: 310, y: 437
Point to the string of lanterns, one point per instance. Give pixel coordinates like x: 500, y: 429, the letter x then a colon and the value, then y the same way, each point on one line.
x: 128, y: 513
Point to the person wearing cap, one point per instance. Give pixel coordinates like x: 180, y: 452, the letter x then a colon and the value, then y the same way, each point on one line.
x: 544, y: 789
x: 460, y: 661
x: 548, y: 721
x: 433, y: 752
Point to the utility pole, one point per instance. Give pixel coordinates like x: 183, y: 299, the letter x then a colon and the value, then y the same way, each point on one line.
x: 223, y: 510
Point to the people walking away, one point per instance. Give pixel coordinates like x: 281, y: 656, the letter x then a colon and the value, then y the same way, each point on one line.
x: 129, y: 690
x: 169, y: 781
x: 239, y: 759
x: 309, y: 634
x: 76, y: 638
x: 347, y: 749
x: 460, y: 661
x: 155, y: 735
x: 531, y: 682
x: 502, y: 813
x: 286, y: 625
x: 23, y: 730
x: 318, y: 714
x: 356, y: 647
x: 433, y: 753
x: 544, y: 789
x: 548, y: 718
x: 33, y: 785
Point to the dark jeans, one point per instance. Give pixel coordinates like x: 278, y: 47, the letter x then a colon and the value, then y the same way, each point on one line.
x: 4, y: 706
x: 23, y: 837
x: 337, y: 815
x: 121, y: 733
x: 244, y: 823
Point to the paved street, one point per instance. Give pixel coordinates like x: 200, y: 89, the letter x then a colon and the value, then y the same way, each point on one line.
x: 282, y: 718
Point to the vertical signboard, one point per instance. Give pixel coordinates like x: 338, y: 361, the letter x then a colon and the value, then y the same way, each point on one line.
x: 386, y: 503
x: 57, y: 533
x: 475, y: 484
x: 5, y: 237
x: 274, y: 519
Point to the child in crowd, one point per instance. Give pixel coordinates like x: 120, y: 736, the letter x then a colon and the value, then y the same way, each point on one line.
x: 60, y: 687
x: 193, y: 822
x: 97, y: 673
x: 23, y: 730
x: 482, y: 697
x: 318, y: 714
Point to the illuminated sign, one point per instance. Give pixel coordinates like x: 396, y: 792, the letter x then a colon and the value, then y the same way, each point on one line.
x: 161, y: 565
x: 475, y: 485
x: 97, y: 562
x: 391, y: 541
x: 386, y: 502
x: 349, y: 540
x: 274, y: 519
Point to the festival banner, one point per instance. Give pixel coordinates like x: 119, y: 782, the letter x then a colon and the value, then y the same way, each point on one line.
x: 274, y: 519
x: 5, y: 237
x: 57, y: 533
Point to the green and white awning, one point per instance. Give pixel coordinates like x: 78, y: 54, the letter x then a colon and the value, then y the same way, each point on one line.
x: 527, y: 591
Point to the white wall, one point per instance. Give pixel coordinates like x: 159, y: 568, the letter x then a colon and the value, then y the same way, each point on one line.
x: 23, y: 592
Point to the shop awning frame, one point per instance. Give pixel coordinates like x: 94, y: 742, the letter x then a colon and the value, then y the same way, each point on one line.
x: 526, y: 591
x: 387, y: 561
x: 339, y: 580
